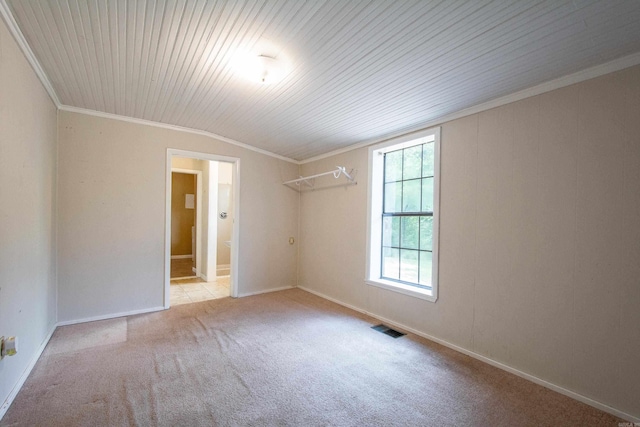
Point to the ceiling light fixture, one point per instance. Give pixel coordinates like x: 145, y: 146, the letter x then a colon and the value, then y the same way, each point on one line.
x: 266, y: 69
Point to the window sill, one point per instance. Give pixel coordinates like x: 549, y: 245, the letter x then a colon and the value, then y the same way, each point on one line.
x: 403, y: 289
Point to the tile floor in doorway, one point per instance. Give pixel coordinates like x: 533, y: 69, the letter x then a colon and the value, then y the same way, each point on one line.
x: 185, y: 291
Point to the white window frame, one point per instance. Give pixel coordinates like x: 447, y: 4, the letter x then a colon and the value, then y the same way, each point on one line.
x: 374, y: 214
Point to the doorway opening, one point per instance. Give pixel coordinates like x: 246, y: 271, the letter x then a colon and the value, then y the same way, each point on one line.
x: 202, y: 227
x: 186, y: 220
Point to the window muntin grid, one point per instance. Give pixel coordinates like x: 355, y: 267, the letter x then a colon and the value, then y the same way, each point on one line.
x: 407, y: 215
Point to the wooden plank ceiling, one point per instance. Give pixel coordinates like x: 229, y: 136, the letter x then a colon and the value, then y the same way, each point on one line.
x: 360, y: 70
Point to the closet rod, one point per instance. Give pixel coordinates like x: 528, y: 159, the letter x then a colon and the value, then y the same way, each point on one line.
x: 340, y: 170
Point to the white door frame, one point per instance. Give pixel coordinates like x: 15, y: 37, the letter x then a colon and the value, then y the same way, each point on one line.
x: 235, y: 238
x: 198, y: 223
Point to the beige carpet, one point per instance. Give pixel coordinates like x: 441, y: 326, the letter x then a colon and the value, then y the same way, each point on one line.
x: 285, y: 358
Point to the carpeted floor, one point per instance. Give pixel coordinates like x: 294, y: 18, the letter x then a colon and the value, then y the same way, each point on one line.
x: 284, y: 358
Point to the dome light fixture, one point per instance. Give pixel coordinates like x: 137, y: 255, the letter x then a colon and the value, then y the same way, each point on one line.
x: 263, y: 69
x: 269, y: 69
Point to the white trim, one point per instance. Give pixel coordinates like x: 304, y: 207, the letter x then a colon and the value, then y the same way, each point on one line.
x: 14, y: 29
x: 344, y: 304
x: 580, y: 76
x: 182, y: 256
x: 586, y: 74
x: 14, y: 392
x: 485, y: 359
x: 235, y: 237
x: 412, y: 291
x: 110, y: 316
x: 235, y: 230
x: 374, y: 213
x: 266, y: 291
x: 212, y: 220
x: 175, y: 128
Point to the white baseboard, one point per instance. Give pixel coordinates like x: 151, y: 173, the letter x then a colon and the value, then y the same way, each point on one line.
x: 485, y: 359
x: 110, y: 316
x: 248, y: 294
x: 352, y: 307
x: 223, y: 267
x: 14, y: 392
x: 181, y: 256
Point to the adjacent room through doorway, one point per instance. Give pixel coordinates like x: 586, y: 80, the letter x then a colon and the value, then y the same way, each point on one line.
x: 201, y: 228
x: 183, y: 224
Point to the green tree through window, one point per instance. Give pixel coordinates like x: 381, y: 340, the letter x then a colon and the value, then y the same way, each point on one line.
x: 407, y: 215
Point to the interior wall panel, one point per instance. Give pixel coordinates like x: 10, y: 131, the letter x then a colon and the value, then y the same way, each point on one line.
x: 459, y: 166
x: 27, y: 213
x: 630, y: 293
x: 600, y: 235
x: 555, y: 284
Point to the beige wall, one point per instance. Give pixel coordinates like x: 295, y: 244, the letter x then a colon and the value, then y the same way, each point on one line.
x: 182, y: 218
x: 112, y: 207
x: 187, y: 163
x: 539, y: 242
x: 27, y: 211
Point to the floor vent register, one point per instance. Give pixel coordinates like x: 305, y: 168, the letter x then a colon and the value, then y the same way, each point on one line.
x: 387, y: 330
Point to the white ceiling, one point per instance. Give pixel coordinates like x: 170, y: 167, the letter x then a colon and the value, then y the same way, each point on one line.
x: 361, y: 70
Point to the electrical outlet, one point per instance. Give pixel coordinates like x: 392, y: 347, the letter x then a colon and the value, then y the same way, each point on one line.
x: 9, y: 346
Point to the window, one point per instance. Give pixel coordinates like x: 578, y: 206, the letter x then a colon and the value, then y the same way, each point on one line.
x: 403, y: 215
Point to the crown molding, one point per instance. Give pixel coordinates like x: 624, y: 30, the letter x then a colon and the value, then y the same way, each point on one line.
x: 580, y: 76
x: 14, y: 29
x: 175, y: 128
x: 589, y: 73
